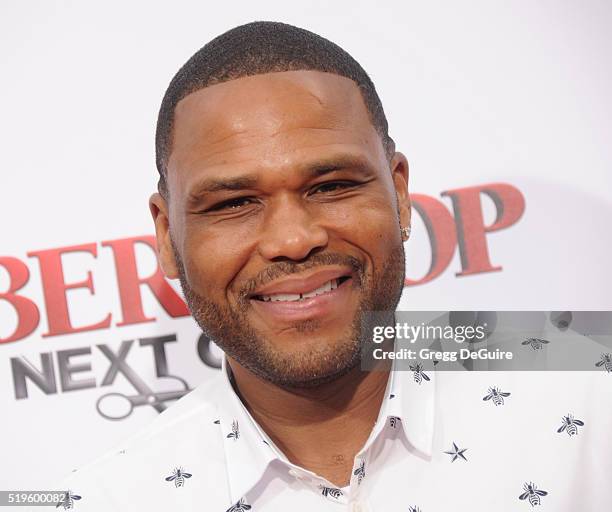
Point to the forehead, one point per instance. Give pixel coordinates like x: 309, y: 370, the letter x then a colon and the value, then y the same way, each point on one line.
x: 269, y: 119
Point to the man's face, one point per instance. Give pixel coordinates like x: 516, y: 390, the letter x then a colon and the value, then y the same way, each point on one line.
x: 282, y: 221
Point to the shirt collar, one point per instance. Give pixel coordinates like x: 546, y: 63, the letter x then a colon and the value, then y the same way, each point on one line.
x: 412, y: 400
x: 248, y: 456
x: 247, y: 452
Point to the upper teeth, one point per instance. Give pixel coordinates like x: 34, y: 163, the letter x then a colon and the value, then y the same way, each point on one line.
x: 327, y: 287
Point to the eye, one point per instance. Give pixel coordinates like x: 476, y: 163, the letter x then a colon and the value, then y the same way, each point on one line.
x: 231, y: 204
x: 333, y: 186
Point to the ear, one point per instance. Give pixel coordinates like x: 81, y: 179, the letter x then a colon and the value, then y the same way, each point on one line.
x: 399, y: 173
x: 159, y: 212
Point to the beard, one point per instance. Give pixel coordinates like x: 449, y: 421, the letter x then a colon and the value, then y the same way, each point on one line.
x: 229, y: 328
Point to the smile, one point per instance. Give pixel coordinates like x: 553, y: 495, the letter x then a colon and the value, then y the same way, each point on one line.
x: 328, y: 293
x: 326, y: 287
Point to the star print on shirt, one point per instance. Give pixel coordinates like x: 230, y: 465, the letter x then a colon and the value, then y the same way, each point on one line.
x: 456, y: 452
x: 570, y: 425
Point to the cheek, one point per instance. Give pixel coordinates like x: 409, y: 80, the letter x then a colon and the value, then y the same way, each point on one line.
x: 371, y: 223
x: 212, y: 258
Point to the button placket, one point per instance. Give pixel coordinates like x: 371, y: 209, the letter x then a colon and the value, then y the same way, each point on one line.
x: 319, y: 485
x: 358, y: 506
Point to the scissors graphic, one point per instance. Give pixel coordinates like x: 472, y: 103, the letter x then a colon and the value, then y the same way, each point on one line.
x: 145, y: 396
x: 153, y: 399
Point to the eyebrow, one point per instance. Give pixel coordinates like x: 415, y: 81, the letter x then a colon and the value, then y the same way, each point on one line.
x: 316, y: 169
x: 309, y: 171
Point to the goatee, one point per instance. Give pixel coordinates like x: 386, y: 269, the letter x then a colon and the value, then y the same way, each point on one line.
x: 231, y: 330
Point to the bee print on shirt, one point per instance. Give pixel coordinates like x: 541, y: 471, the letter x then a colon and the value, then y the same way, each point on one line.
x: 178, y: 476
x: 235, y: 433
x: 394, y: 421
x: 533, y: 493
x: 418, y: 374
x: 414, y: 509
x: 606, y: 362
x: 330, y: 491
x: 536, y: 343
x: 360, y: 472
x: 570, y: 425
x: 496, y: 396
x: 67, y: 501
x: 239, y: 506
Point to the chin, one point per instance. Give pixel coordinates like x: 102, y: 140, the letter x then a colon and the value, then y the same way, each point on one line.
x: 310, y: 377
x: 308, y: 361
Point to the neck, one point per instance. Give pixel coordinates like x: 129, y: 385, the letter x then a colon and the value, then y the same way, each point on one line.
x: 320, y: 429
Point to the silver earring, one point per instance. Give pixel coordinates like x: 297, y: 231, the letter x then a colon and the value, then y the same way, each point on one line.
x: 405, y: 233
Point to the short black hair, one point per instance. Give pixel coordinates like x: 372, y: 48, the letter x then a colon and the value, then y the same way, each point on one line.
x: 256, y: 48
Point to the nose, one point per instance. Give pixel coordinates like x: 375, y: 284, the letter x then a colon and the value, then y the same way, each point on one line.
x: 290, y: 231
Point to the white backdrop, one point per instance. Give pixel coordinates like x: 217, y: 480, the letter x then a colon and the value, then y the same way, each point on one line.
x: 476, y: 93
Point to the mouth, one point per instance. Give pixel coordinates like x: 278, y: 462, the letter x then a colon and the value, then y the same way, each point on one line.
x: 326, y: 294
x: 325, y: 288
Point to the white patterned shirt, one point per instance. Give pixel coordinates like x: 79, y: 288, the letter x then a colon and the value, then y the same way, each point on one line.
x: 444, y: 441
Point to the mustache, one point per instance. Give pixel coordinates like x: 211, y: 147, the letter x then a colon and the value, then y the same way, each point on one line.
x: 284, y: 268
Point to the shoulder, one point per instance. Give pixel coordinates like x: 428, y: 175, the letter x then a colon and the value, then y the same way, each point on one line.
x: 528, y: 400
x: 141, y: 473
x: 584, y: 386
